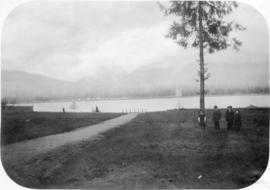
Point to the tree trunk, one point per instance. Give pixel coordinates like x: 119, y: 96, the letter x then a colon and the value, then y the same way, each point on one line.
x: 202, y: 106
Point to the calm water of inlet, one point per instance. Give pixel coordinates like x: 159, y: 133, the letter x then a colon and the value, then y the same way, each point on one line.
x: 155, y: 104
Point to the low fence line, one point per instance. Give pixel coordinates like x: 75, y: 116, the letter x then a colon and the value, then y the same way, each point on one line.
x: 133, y: 110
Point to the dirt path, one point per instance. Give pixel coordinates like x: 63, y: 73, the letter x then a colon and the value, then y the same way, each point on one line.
x: 22, y: 151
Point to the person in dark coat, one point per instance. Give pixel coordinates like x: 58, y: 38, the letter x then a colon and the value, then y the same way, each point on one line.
x: 202, y: 119
x: 97, y: 110
x: 216, y: 117
x: 237, y: 120
x: 229, y: 117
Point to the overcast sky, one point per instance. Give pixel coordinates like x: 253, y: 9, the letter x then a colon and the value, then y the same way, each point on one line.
x: 71, y: 40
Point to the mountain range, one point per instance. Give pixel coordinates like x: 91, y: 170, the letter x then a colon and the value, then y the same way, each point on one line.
x: 24, y: 85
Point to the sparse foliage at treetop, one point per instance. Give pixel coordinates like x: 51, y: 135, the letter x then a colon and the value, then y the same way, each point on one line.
x: 202, y: 25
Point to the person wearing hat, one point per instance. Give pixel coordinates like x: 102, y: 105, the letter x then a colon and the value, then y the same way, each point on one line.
x: 229, y: 117
x: 216, y: 117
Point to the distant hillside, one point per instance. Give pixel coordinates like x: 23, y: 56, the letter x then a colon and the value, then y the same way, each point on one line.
x: 170, y: 76
x: 151, y: 81
x: 22, y: 85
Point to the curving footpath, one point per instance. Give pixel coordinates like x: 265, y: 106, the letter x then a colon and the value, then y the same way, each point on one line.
x: 26, y: 150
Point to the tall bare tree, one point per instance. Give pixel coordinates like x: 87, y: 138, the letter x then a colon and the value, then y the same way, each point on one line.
x: 202, y: 25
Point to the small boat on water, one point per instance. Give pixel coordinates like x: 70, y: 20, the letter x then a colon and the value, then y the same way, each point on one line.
x: 73, y: 105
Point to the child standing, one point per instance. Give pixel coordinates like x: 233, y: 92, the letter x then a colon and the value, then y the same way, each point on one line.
x: 202, y: 119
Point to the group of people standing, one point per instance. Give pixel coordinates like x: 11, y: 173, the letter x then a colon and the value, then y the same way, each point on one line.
x: 233, y: 118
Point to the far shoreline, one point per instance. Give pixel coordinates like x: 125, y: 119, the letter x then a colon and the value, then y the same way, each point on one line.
x: 126, y: 99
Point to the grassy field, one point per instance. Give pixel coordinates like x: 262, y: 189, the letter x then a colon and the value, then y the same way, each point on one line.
x: 28, y: 125
x: 157, y: 150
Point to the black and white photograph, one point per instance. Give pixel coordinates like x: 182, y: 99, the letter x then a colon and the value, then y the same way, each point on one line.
x: 135, y: 95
